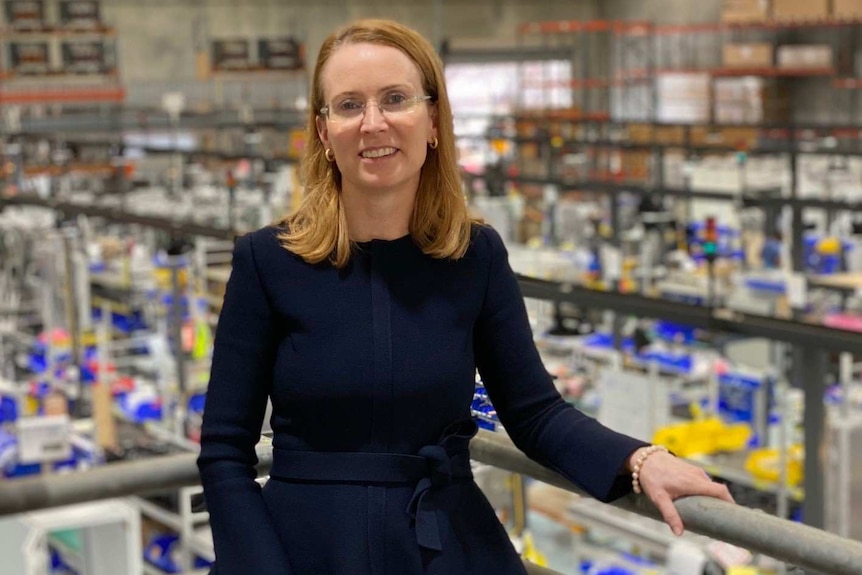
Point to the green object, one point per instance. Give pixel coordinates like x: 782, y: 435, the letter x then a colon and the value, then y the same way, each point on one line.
x: 68, y: 538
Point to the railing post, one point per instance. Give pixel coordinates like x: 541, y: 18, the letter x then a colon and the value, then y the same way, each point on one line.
x: 809, y: 371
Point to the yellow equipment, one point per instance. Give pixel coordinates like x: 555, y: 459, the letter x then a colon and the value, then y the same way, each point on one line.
x: 703, y: 437
x: 530, y: 552
x: 764, y: 464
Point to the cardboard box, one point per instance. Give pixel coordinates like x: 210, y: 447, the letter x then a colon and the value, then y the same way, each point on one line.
x: 749, y: 100
x: 847, y: 9
x: 669, y: 134
x: 748, y: 55
x: 683, y: 97
x: 634, y: 165
x: 800, y: 10
x: 640, y: 133
x: 738, y: 137
x: 647, y: 134
x: 804, y: 56
x: 744, y: 11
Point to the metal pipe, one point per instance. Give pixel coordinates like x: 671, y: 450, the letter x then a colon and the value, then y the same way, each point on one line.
x: 807, y: 547
x: 794, y: 543
x: 809, y: 369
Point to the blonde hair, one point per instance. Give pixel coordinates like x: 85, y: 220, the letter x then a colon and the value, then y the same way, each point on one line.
x: 440, y: 223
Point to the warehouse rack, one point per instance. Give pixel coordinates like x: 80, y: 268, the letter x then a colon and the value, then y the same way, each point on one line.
x: 642, y: 50
x: 785, y: 140
x: 52, y: 83
x: 616, y: 67
x: 630, y: 46
x: 151, y: 118
x: 73, y: 64
x: 116, y: 215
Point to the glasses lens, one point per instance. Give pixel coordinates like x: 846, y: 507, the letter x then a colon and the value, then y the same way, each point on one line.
x: 346, y: 110
x: 350, y: 109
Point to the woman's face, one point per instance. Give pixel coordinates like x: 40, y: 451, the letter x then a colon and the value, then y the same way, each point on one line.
x: 376, y: 150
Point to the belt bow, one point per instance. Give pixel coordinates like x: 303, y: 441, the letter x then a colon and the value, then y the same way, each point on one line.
x: 442, y: 468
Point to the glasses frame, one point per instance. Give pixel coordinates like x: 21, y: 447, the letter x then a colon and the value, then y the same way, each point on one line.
x: 413, y: 100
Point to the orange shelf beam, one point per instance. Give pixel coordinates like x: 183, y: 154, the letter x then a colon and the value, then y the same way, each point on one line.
x: 667, y: 29
x: 91, y: 168
x: 764, y: 25
x: 572, y: 115
x: 734, y: 71
x: 634, y: 76
x: 634, y: 27
x: 64, y: 96
x: 847, y: 83
x: 585, y: 83
x: 771, y: 72
x: 6, y: 32
x: 638, y: 27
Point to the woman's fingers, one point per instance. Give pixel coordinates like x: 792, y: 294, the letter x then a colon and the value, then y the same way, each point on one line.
x: 669, y: 478
x: 720, y: 491
x: 665, y: 506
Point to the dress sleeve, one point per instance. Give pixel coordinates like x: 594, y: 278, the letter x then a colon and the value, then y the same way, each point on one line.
x: 243, y: 532
x: 538, y: 420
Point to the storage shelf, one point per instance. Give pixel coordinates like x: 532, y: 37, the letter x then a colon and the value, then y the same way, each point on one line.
x: 66, y: 95
x: 769, y: 72
x: 847, y: 83
x: 752, y: 198
x: 802, y: 147
x: 116, y: 215
x: 645, y: 27
x: 633, y: 27
x: 775, y: 128
x: 52, y: 31
x: 257, y: 72
x: 226, y: 156
x: 731, y: 71
x: 763, y: 25
x: 58, y: 74
x: 724, y: 320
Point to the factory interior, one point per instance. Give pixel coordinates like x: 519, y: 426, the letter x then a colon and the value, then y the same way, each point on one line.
x: 678, y: 185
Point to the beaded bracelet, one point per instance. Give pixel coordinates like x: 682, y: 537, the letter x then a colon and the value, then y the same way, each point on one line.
x: 636, y: 468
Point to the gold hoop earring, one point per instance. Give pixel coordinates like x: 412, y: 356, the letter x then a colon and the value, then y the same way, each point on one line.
x: 433, y: 144
x: 330, y: 157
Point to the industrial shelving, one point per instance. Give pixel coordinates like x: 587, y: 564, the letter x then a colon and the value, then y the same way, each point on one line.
x: 52, y: 82
x: 621, y: 140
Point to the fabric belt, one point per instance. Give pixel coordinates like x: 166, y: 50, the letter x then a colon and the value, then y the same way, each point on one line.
x: 431, y: 469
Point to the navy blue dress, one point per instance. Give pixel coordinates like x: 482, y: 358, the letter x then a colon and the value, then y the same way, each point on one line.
x: 371, y: 372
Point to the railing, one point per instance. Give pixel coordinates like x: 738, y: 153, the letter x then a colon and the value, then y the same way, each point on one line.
x: 787, y: 541
x: 806, y: 547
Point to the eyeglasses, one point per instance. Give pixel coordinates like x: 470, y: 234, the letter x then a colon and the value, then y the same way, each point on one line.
x: 391, y: 105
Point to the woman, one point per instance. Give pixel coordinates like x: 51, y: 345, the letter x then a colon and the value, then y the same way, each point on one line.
x: 364, y: 316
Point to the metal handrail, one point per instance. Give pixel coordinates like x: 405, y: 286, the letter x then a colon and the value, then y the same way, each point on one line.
x: 791, y: 542
x: 755, y: 530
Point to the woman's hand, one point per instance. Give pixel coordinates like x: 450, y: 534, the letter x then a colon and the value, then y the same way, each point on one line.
x: 665, y: 478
